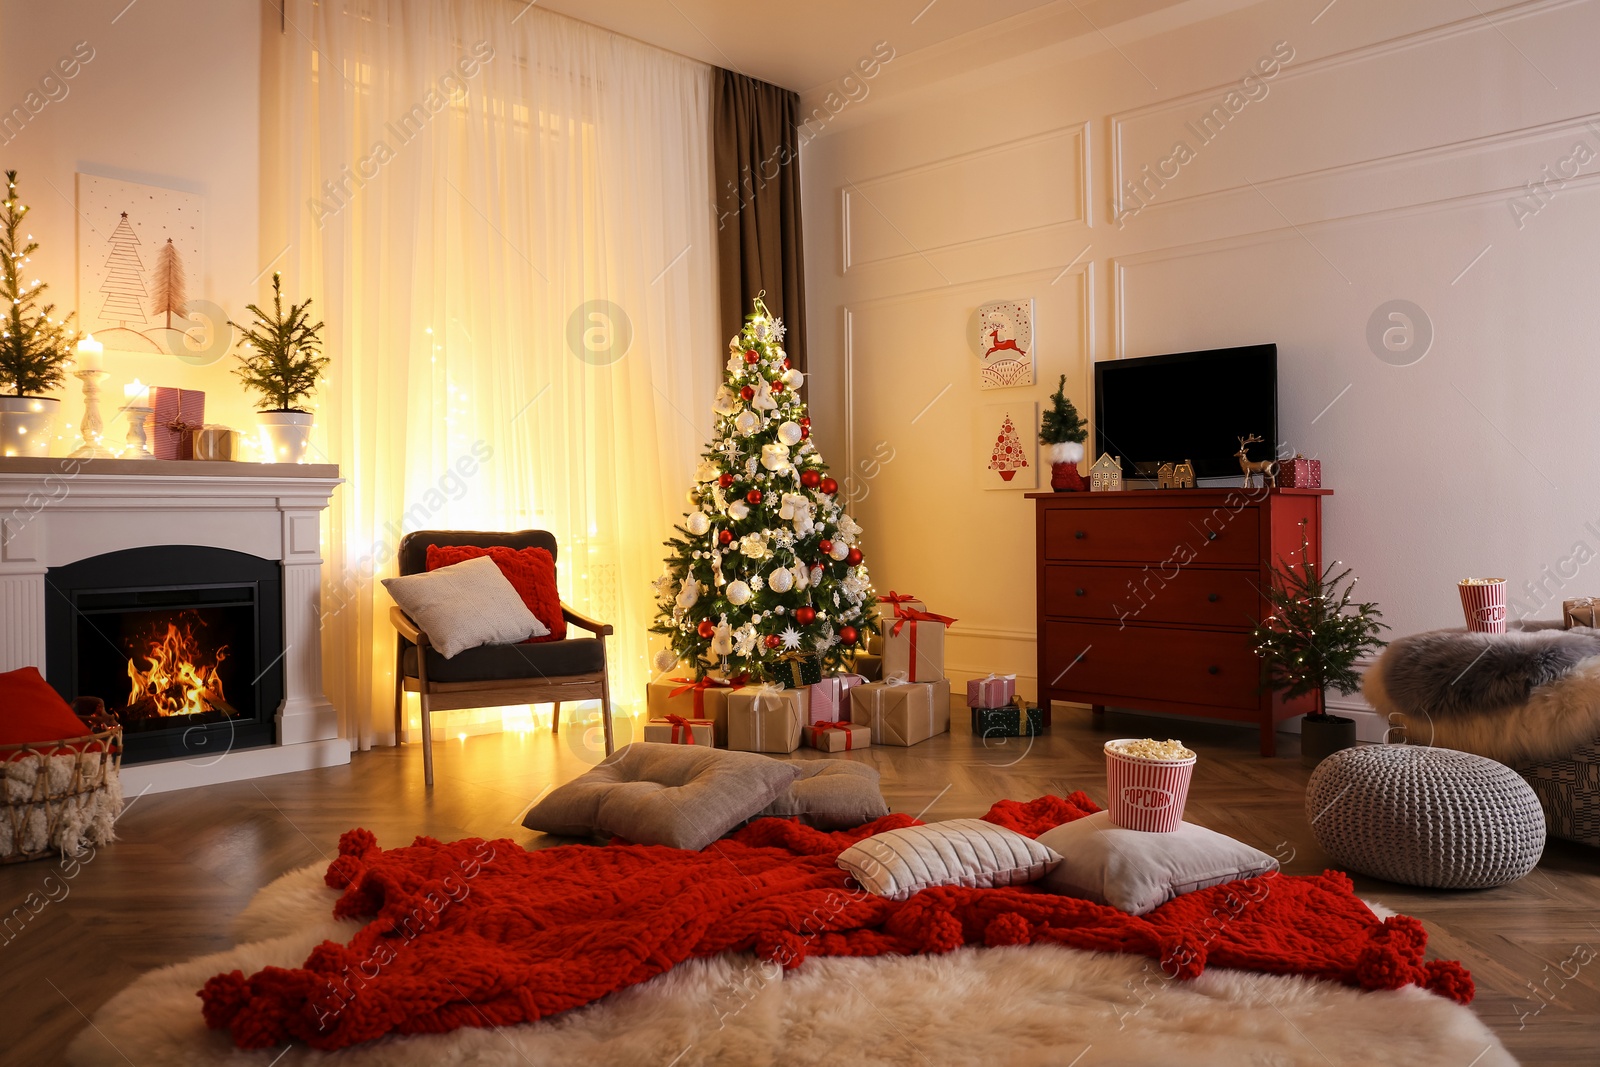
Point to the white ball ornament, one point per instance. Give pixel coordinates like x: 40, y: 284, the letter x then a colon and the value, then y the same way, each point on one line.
x: 747, y: 423
x: 775, y: 457
x: 738, y: 593
x: 793, y: 378
x: 789, y: 433
x: 739, y: 510
x: 698, y: 523
x: 780, y: 581
x: 839, y: 550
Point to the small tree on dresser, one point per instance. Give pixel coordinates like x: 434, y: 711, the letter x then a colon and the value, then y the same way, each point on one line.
x: 1062, y: 432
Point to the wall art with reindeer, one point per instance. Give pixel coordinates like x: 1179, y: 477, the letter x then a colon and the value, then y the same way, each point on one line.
x: 1005, y: 343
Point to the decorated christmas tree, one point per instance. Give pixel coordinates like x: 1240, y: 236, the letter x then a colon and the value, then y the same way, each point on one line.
x: 766, y: 569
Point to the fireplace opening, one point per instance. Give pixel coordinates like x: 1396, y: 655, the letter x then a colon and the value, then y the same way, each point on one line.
x: 183, y: 644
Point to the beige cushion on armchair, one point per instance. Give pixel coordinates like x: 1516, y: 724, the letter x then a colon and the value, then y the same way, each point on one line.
x: 464, y: 606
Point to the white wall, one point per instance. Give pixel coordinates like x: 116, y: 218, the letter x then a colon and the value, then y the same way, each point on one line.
x: 1379, y: 163
x: 170, y: 98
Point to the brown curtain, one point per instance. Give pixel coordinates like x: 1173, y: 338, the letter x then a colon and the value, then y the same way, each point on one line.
x: 756, y: 169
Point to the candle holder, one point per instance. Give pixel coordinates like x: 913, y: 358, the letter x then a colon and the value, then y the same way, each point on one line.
x: 92, y: 431
x: 138, y: 444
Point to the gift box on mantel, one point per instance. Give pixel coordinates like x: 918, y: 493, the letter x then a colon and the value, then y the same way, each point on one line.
x: 995, y: 691
x: 1580, y: 612
x: 900, y: 712
x: 798, y: 668
x: 177, y: 414
x: 838, y: 736
x: 1299, y: 473
x: 830, y: 698
x: 705, y: 699
x: 676, y: 730
x: 913, y: 641
x: 766, y: 718
x: 1017, y: 719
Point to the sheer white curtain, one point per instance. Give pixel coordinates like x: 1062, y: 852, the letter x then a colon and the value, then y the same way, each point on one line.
x: 487, y: 202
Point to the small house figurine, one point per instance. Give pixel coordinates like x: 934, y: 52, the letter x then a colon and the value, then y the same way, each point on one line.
x: 1106, y: 474
x: 1166, y: 476
x: 1183, y: 475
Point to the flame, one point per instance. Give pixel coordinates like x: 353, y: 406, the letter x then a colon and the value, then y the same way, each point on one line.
x: 174, y: 681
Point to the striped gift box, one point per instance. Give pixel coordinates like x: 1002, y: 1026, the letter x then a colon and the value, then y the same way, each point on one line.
x: 1145, y: 794
x: 1483, y: 602
x: 995, y: 691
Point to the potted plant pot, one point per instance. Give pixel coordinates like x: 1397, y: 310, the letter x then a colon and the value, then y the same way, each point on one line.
x: 1064, y: 459
x: 285, y: 435
x: 1323, y: 735
x: 27, y: 424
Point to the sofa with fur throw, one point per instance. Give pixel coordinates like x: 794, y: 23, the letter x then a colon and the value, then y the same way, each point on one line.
x: 1529, y: 698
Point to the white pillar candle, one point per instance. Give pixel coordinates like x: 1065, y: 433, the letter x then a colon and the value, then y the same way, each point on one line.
x: 136, y: 394
x: 91, y: 354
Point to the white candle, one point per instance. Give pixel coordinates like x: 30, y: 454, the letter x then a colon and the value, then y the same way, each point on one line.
x: 137, y: 394
x: 91, y: 354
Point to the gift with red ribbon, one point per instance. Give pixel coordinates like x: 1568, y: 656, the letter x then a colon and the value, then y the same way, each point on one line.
x: 677, y: 730
x: 177, y: 414
x: 914, y: 643
x: 703, y: 699
x: 838, y: 736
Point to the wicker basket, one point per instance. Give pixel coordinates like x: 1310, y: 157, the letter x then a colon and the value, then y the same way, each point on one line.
x: 59, y: 796
x: 1569, y: 789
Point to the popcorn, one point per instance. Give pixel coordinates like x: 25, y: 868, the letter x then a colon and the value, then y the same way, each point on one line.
x: 1151, y: 749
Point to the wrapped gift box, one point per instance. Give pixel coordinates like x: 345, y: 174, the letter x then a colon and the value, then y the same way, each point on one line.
x: 995, y: 691
x: 177, y: 413
x: 705, y: 699
x: 677, y: 730
x: 875, y: 644
x: 916, y: 651
x: 838, y: 736
x: 1580, y: 612
x: 1300, y: 473
x: 902, y: 713
x: 1017, y: 719
x: 830, y: 698
x: 798, y: 668
x: 868, y: 666
x: 764, y: 718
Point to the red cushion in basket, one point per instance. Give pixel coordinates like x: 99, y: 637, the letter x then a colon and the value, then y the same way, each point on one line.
x: 531, y: 572
x: 31, y: 711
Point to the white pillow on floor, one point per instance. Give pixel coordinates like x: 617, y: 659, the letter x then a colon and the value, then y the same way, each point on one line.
x: 968, y: 852
x: 465, y: 605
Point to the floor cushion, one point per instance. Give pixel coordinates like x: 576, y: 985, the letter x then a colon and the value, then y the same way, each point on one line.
x: 831, y: 794
x: 684, y: 796
x: 531, y: 572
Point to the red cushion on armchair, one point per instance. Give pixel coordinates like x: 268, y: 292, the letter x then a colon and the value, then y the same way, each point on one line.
x: 31, y: 711
x: 531, y: 571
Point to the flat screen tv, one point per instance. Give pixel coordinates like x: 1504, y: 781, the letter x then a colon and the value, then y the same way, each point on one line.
x: 1187, y: 405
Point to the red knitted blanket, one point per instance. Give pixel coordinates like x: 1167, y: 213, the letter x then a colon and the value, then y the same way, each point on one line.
x: 481, y: 933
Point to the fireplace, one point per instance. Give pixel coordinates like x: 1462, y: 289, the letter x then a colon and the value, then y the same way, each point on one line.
x: 183, y: 643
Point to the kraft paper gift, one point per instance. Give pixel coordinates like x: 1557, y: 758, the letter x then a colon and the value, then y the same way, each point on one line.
x: 1584, y: 611
x: 902, y: 713
x: 677, y: 730
x: 764, y: 718
x: 868, y: 666
x: 705, y: 699
x: 838, y: 736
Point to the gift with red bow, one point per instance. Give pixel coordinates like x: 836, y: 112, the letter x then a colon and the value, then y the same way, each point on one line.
x: 706, y: 698
x: 838, y: 736
x: 677, y: 730
x: 913, y: 638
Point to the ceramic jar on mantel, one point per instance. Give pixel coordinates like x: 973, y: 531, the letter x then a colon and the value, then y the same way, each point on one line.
x: 285, y: 435
x: 27, y: 425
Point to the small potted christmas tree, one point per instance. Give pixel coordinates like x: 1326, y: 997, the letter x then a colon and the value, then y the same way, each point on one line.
x: 34, y: 346
x: 282, y: 361
x: 1062, y: 432
x: 1311, y: 642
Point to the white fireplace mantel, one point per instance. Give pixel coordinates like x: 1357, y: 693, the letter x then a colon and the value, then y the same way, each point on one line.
x: 58, y: 511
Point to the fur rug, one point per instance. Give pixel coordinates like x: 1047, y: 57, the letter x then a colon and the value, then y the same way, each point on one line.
x: 1026, y: 1005
x: 1529, y: 694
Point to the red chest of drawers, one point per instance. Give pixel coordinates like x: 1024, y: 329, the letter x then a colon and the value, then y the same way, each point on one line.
x: 1147, y: 597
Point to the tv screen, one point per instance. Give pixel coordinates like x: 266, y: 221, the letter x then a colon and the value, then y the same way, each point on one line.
x: 1187, y: 406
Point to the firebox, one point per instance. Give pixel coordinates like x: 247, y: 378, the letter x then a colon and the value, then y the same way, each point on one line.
x: 183, y: 643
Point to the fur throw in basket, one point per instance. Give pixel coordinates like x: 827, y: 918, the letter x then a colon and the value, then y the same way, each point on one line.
x: 56, y: 799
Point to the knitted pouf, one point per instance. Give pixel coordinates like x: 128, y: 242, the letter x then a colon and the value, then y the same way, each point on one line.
x: 1425, y: 816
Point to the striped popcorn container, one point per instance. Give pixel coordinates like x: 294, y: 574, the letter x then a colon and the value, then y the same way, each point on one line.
x: 1483, y: 602
x: 1143, y: 793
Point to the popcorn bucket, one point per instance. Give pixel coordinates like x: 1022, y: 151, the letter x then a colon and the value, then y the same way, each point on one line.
x: 1146, y: 794
x: 1483, y: 601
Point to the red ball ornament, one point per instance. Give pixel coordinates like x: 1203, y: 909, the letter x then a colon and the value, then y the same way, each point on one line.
x: 805, y: 616
x: 747, y: 392
x: 824, y: 546
x: 777, y: 386
x: 706, y: 628
x: 805, y: 420
x: 829, y: 486
x: 854, y: 557
x: 805, y: 432
x: 752, y: 356
x: 773, y: 641
x: 753, y: 496
x: 848, y: 635
x: 725, y: 481
x: 785, y: 362
x: 726, y: 537
x: 809, y: 479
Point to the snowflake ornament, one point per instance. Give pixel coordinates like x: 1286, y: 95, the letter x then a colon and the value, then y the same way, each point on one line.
x: 790, y: 637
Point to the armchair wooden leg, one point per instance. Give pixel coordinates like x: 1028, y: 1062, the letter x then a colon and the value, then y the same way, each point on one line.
x: 399, y: 699
x: 427, y: 726
x: 605, y: 702
x: 555, y: 717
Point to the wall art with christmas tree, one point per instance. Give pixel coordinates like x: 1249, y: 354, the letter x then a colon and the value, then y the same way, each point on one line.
x: 765, y: 573
x: 139, y: 247
x: 1006, y: 439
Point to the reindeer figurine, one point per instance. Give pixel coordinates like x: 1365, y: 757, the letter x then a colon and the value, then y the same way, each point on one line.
x: 1267, y: 467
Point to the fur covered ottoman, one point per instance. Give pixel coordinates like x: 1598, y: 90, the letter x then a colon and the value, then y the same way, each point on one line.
x: 1529, y: 698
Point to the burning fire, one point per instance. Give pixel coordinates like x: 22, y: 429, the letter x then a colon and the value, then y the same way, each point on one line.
x: 174, y: 682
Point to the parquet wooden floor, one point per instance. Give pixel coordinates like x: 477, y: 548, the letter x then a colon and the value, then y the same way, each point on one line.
x: 187, y: 862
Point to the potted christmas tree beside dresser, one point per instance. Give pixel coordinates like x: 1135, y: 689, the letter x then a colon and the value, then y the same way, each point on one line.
x: 282, y: 361
x: 34, y: 346
x: 1312, y: 641
x: 1062, y: 432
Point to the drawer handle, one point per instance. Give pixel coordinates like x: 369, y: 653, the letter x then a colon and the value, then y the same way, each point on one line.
x: 1078, y: 592
x: 1080, y: 535
x: 1213, y: 597
x: 1213, y: 669
x: 1211, y: 535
